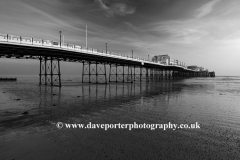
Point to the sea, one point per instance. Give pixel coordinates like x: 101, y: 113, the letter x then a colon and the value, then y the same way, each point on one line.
x: 206, y: 111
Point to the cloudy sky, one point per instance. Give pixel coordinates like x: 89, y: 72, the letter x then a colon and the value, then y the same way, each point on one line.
x: 197, y: 32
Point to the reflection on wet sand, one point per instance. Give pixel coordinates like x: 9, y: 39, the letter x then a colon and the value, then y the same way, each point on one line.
x: 50, y: 96
x: 211, y: 102
x: 47, y: 103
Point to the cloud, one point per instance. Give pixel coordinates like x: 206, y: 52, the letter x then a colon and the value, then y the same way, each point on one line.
x: 121, y: 9
x: 206, y: 9
x: 131, y: 27
x: 184, y: 32
x: 108, y: 11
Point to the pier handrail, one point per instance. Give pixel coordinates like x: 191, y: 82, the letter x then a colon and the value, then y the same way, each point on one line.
x: 65, y: 46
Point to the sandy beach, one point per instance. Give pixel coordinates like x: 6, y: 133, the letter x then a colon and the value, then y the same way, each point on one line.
x: 29, y: 114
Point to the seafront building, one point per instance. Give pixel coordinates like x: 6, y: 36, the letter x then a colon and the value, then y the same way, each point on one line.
x: 166, y: 60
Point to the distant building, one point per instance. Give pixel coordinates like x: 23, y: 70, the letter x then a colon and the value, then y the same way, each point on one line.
x: 201, y: 69
x: 211, y: 74
x: 162, y: 59
x: 174, y: 62
x: 196, y: 68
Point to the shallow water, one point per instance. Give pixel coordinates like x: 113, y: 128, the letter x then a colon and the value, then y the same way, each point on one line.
x: 212, y: 102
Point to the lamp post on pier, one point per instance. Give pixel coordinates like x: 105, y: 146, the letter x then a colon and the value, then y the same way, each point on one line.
x: 60, y: 32
x: 132, y: 54
x: 106, y: 48
x: 86, y: 36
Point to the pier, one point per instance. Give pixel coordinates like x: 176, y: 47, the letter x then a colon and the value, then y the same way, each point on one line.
x: 211, y: 74
x: 8, y: 79
x: 122, y: 68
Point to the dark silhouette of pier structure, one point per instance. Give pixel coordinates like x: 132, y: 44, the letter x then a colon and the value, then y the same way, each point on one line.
x: 122, y: 68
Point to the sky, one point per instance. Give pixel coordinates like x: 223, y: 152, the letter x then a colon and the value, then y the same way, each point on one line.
x: 205, y: 33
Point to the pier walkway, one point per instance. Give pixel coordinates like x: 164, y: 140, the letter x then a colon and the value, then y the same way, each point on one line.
x: 122, y: 68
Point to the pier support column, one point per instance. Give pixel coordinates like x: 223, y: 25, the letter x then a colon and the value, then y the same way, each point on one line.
x: 165, y: 74
x: 151, y: 74
x: 113, y: 73
x: 140, y: 73
x: 147, y: 74
x: 161, y: 74
x: 157, y: 74
x: 134, y: 75
x: 94, y: 72
x: 50, y: 73
x: 121, y: 73
x: 129, y: 74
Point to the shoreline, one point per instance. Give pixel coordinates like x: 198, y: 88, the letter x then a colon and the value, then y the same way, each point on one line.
x: 186, y: 101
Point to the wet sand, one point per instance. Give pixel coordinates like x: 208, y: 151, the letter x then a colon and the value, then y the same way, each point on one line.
x: 29, y: 113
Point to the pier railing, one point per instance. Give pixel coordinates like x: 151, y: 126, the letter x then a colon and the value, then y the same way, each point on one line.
x: 28, y: 41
